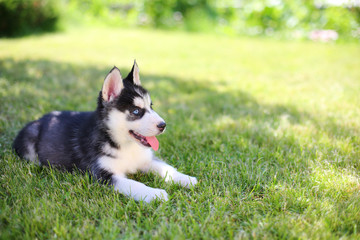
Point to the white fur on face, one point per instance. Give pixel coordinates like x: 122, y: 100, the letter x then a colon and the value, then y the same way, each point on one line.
x: 119, y: 126
x: 139, y: 102
x: 143, y: 102
x: 147, y: 125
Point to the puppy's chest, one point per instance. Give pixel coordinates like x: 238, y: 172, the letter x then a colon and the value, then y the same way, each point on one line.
x: 128, y: 159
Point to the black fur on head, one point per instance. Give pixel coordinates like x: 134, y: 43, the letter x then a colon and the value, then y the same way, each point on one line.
x: 129, y: 80
x: 133, y: 76
x: 125, y: 100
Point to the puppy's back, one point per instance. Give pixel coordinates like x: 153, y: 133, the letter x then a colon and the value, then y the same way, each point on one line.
x: 53, y: 139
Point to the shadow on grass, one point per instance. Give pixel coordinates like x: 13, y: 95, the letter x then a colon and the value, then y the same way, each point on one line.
x: 226, y: 136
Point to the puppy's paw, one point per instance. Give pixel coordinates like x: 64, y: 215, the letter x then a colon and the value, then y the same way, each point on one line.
x: 154, y: 194
x: 185, y: 180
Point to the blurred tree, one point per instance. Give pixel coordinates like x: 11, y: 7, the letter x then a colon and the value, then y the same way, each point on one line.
x: 253, y: 17
x: 19, y: 17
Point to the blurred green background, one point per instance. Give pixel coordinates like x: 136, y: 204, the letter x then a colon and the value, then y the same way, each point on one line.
x: 291, y: 19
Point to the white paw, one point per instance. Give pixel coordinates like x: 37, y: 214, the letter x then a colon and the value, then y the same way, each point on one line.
x: 153, y: 194
x: 185, y: 180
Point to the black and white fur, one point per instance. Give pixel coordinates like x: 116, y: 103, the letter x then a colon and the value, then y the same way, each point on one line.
x: 109, y: 142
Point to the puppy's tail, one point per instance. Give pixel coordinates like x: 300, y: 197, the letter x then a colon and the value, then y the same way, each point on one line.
x: 25, y: 142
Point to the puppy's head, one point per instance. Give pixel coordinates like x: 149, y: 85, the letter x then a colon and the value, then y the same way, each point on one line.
x: 127, y: 109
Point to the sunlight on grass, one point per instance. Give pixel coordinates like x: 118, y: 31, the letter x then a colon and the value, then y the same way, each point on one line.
x: 334, y: 183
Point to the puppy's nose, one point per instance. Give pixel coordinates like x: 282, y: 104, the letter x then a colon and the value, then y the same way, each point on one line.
x: 161, y: 126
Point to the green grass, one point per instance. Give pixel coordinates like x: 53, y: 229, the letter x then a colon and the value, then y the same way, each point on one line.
x: 270, y: 128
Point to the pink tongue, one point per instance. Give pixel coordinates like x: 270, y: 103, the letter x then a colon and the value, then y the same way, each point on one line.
x: 154, y: 143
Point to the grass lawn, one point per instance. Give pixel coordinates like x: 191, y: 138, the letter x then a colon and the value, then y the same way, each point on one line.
x: 271, y: 129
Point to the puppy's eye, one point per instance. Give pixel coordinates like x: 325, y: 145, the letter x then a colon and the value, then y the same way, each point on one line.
x: 136, y: 112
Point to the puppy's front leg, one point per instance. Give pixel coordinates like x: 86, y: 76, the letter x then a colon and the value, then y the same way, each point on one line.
x: 137, y: 190
x: 170, y: 174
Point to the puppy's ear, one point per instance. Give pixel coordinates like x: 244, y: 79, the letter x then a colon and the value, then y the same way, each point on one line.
x: 113, y: 85
x: 134, y: 76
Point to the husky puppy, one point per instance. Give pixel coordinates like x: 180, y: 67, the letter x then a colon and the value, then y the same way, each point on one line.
x: 116, y: 139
